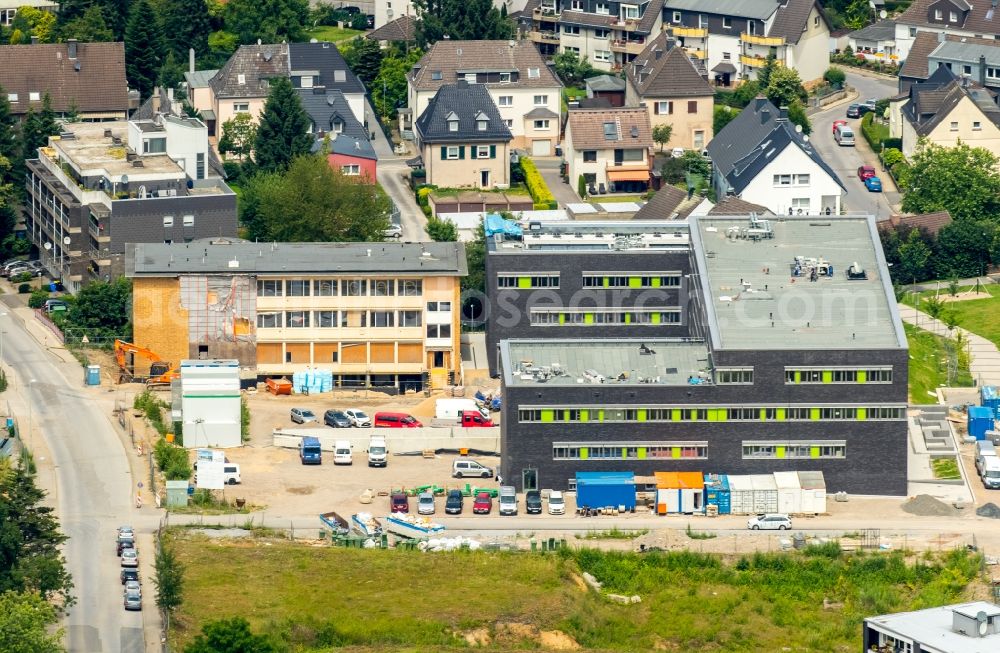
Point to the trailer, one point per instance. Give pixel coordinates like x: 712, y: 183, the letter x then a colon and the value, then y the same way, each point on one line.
x: 412, y: 527
x: 337, y: 524
x: 365, y: 524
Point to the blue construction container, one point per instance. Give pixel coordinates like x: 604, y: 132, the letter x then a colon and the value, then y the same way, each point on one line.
x: 717, y: 492
x: 981, y: 420
x: 605, y: 490
x: 989, y: 398
x: 93, y: 376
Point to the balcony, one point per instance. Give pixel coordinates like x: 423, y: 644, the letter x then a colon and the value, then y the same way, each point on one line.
x: 543, y: 13
x: 690, y: 32
x: 543, y: 37
x: 697, y: 54
x: 628, y: 47
x: 770, y: 41
x: 627, y: 25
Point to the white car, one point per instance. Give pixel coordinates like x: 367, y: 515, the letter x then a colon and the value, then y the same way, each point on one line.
x: 425, y: 504
x: 557, y: 505
x: 130, y: 558
x: 358, y: 417
x: 394, y: 231
x: 772, y: 522
x: 677, y: 152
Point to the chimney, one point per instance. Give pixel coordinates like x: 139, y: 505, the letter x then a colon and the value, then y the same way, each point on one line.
x: 982, y: 70
x: 190, y: 60
x: 71, y: 45
x: 34, y: 40
x: 783, y: 114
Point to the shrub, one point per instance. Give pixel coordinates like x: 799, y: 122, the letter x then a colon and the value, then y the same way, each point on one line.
x: 38, y: 297
x: 581, y: 187
x: 539, y: 190
x: 903, y: 174
x: 874, y: 132
x: 22, y: 277
x: 835, y: 76
x: 895, y: 143
x: 24, y: 288
x: 234, y: 171
x: 891, y: 156
x: 172, y: 461
x: 359, y: 21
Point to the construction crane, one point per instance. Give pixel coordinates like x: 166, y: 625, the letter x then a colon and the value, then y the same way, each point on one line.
x: 160, y: 371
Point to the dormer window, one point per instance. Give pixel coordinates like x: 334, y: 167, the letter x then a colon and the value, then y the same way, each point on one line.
x: 436, y: 75
x: 481, y: 125
x: 953, y: 16
x: 602, y: 8
x: 938, y: 14
x: 241, y: 79
x: 337, y: 126
x: 307, y: 81
x: 470, y: 78
x: 505, y: 78
x: 453, y: 125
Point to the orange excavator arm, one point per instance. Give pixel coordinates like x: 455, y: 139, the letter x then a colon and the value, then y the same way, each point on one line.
x: 160, y: 370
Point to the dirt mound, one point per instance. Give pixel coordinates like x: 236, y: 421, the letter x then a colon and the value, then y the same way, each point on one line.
x: 477, y: 637
x: 990, y: 510
x: 557, y: 640
x: 924, y: 505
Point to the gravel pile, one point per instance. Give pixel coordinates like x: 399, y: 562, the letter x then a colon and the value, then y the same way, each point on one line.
x: 990, y: 510
x: 924, y: 505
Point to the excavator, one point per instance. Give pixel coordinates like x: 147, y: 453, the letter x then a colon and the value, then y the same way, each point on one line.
x: 160, y: 371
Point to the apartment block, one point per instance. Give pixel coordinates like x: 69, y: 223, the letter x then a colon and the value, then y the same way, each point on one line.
x: 372, y: 314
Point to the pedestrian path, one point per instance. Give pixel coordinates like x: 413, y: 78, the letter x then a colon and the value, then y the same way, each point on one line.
x: 985, y: 358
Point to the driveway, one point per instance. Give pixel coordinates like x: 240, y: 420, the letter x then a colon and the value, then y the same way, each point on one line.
x: 390, y: 174
x: 549, y: 167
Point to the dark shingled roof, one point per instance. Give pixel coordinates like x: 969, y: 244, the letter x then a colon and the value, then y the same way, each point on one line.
x: 670, y: 75
x: 326, y: 107
x: 326, y: 59
x: 452, y: 57
x: 915, y: 65
x: 257, y: 63
x: 736, y: 206
x: 883, y: 30
x: 99, y: 85
x: 791, y: 20
x: 401, y: 30
x: 931, y: 222
x: 663, y: 205
x: 752, y: 140
x: 932, y: 101
x: 467, y: 102
x: 979, y: 19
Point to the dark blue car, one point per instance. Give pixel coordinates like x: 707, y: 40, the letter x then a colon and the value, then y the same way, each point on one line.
x: 873, y: 184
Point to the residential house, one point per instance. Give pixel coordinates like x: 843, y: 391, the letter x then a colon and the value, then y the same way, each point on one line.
x: 875, y: 41
x: 944, y: 110
x: 199, y: 92
x: 463, y: 140
x: 956, y: 17
x: 86, y: 78
x: 932, y: 223
x: 761, y: 158
x: 339, y: 134
x: 400, y: 30
x: 606, y: 87
x: 524, y: 89
x: 735, y: 38
x: 606, y: 33
x: 98, y: 186
x: 371, y: 314
x: 8, y: 8
x: 966, y: 56
x: 386, y: 11
x: 916, y: 66
x: 668, y: 203
x: 674, y: 93
x: 959, y: 628
x: 611, y: 148
x: 735, y: 206
x: 243, y: 83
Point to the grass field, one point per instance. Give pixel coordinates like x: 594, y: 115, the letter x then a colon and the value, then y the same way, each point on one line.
x: 980, y: 316
x: 929, y: 356
x: 331, y: 33
x: 314, y: 598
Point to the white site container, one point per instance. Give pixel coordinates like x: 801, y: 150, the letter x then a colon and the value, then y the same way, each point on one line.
x: 789, y: 492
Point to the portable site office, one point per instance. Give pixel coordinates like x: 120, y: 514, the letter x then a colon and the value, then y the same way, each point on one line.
x: 679, y: 492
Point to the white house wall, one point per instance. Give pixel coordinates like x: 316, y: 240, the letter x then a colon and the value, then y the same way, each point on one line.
x: 792, y: 161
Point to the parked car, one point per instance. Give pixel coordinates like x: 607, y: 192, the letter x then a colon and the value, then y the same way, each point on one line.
x: 838, y: 123
x: 132, y: 585
x: 130, y: 558
x: 302, y: 415
x: 873, y: 184
x: 337, y: 419
x: 508, y: 500
x: 864, y: 172
x: 770, y: 522
x: 463, y: 467
x: 533, y: 502
x: 394, y: 231
x: 453, y: 504
x: 129, y: 575
x: 358, y: 417
x: 868, y: 105
x: 396, y: 420
x: 132, y: 598
x: 125, y: 544
x: 854, y: 111
x: 677, y: 152
x: 399, y: 502
x: 425, y: 504
x: 483, y: 504
x: 557, y: 504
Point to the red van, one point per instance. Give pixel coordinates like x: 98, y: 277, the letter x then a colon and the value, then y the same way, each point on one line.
x: 396, y: 421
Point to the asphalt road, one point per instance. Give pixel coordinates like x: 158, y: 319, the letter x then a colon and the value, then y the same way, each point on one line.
x: 389, y: 173
x: 93, y: 488
x: 846, y: 160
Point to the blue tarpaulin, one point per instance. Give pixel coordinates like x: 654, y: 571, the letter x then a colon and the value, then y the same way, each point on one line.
x: 496, y: 224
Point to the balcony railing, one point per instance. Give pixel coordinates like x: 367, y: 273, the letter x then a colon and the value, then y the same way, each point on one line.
x: 698, y: 54
x: 690, y: 32
x: 629, y: 47
x: 772, y: 41
x: 544, y: 13
x: 627, y: 25
x: 757, y: 62
x: 544, y: 37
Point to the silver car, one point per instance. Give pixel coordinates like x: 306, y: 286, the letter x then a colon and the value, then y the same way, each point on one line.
x: 132, y: 596
x: 425, y: 504
x: 130, y: 558
x: 302, y: 415
x: 770, y: 522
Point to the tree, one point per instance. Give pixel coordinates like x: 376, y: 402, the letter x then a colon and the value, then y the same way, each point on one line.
x: 171, y: 75
x: 835, y: 76
x: 662, y: 134
x: 472, y: 20
x: 144, y: 49
x: 25, y: 623
x: 764, y: 74
x: 963, y: 248
x: 311, y: 202
x: 231, y: 635
x: 90, y: 27
x: 389, y: 88
x: 914, y: 257
x: 441, y: 230
x: 475, y: 258
x: 857, y: 14
x: 169, y: 579
x: 38, y: 126
x: 238, y: 135
x: 784, y: 87
x: 32, y: 21
x: 30, y: 559
x: 797, y: 114
x: 113, y: 13
x: 102, y: 310
x: 364, y: 58
x: 283, y: 132
x: 271, y: 21
x: 571, y: 69
x: 722, y: 116
x: 961, y: 180
x: 186, y: 24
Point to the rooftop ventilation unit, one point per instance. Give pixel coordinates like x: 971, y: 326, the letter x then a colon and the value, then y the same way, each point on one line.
x: 856, y: 272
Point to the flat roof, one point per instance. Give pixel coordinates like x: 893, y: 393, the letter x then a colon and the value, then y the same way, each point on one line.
x: 933, y: 627
x: 633, y: 361
x: 92, y: 152
x: 234, y: 256
x: 604, y: 235
x: 761, y: 293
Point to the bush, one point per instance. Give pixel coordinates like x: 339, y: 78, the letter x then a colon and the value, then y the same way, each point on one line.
x: 234, y: 171
x: 891, y: 157
x: 895, y: 143
x: 903, y: 174
x: 38, y: 297
x: 581, y: 187
x: 172, y: 461
x: 835, y: 76
x: 23, y: 277
x: 874, y: 132
x: 24, y: 288
x: 539, y: 190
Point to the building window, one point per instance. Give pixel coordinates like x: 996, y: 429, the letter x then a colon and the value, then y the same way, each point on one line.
x: 481, y: 151
x: 954, y: 127
x: 411, y: 287
x: 383, y: 319
x: 782, y: 180
x: 574, y: 50
x: 154, y: 146
x: 993, y: 73
x: 481, y: 125
x: 241, y: 107
x: 306, y: 81
x: 509, y: 123
x: 603, y: 451
x: 383, y: 288
x: 665, y: 107
x: 692, y: 106
x: 727, y: 22
x: 699, y: 139
x: 541, y: 125
x: 534, y: 73
x: 438, y: 307
x: 12, y: 97
x: 913, y: 32
x: 702, y: 21
x: 734, y: 376
x: 200, y: 165
x: 453, y: 125
x: 953, y: 16
x: 297, y: 319
x: 602, y: 8
x: 34, y: 96
x: 938, y: 14
x: 354, y: 287
x: 438, y: 330
x: 634, y: 280
x: 325, y: 319
x: 505, y: 78
x: 800, y: 205
x: 537, y: 280
x: 677, y: 17
x: 966, y: 70
x: 794, y: 449
x: 436, y: 75
x: 576, y: 5
x: 452, y: 152
x: 168, y: 221
x: 541, y: 100
x: 602, y: 33
x: 801, y: 180
x: 351, y: 169
x: 410, y: 319
x: 268, y: 320
x: 629, y: 12
x: 570, y: 29
x: 325, y: 288
x: 590, y: 156
x: 470, y: 78
x: 296, y: 288
x: 796, y: 375
x: 602, y: 55
x: 711, y: 414
x: 269, y: 288
x: 977, y: 126
x: 727, y: 56
x: 604, y: 317
x: 505, y: 101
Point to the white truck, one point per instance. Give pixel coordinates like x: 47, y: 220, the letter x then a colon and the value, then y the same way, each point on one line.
x: 451, y: 409
x: 378, y: 452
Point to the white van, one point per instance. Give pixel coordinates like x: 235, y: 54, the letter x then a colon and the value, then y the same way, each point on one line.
x: 991, y: 473
x: 844, y: 136
x: 231, y: 474
x: 378, y: 452
x: 508, y: 500
x: 342, y: 453
x: 464, y: 467
x: 984, y: 449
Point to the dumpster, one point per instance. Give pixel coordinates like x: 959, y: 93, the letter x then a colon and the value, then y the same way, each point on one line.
x: 93, y: 375
x: 989, y: 398
x: 980, y: 421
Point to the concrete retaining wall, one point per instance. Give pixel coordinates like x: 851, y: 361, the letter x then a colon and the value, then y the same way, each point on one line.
x: 398, y: 440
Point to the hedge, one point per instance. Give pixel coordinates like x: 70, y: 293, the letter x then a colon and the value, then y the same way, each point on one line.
x: 874, y: 133
x: 540, y: 193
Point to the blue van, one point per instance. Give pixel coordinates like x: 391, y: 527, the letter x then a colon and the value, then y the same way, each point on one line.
x: 310, y: 452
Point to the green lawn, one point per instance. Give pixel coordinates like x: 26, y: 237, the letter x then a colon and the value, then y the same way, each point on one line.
x: 602, y: 199
x: 331, y: 33
x: 930, y: 359
x: 319, y: 598
x: 980, y: 316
